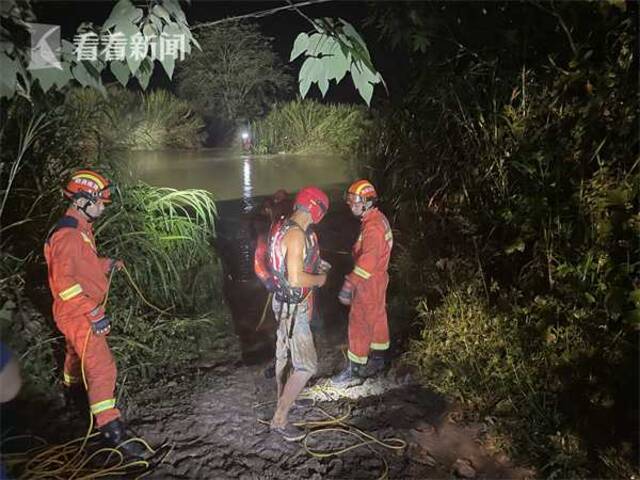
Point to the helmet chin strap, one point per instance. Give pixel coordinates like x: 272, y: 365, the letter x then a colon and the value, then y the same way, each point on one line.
x: 83, y: 209
x: 366, y: 205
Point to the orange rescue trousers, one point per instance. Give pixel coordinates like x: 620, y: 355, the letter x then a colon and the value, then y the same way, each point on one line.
x: 99, y: 367
x: 368, y: 327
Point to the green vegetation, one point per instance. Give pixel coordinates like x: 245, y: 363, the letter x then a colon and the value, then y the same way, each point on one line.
x: 126, y: 19
x: 132, y: 121
x: 332, y: 49
x: 164, y: 236
x: 307, y: 126
x: 514, y: 186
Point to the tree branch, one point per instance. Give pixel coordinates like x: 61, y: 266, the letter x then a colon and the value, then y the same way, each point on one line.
x: 560, y: 20
x: 306, y: 17
x: 260, y: 14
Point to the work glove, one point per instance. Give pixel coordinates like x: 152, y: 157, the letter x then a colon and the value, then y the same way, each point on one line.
x: 115, y: 264
x: 346, y: 293
x: 324, y: 266
x: 100, y: 321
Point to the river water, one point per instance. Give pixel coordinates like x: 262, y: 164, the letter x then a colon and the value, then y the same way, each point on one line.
x: 239, y: 184
x: 229, y: 175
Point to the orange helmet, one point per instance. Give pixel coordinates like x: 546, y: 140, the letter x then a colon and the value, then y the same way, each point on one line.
x: 362, y: 191
x: 88, y: 184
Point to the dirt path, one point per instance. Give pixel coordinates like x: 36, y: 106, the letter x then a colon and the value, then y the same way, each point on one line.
x: 215, y: 433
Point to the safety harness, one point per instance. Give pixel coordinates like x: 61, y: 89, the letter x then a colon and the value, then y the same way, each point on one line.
x: 283, y: 291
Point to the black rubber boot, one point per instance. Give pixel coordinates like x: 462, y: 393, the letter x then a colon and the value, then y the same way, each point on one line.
x: 377, y: 363
x: 114, y: 434
x: 351, y: 376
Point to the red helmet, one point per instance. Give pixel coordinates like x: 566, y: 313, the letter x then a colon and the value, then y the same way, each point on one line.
x: 313, y: 201
x: 362, y: 190
x: 88, y: 184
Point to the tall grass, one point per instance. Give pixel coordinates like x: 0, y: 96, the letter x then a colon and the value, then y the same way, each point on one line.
x: 166, y: 238
x: 165, y: 120
x: 305, y: 126
x: 136, y: 121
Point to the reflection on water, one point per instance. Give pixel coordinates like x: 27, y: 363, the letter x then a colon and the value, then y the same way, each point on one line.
x: 247, y: 187
x: 229, y: 175
x: 236, y: 180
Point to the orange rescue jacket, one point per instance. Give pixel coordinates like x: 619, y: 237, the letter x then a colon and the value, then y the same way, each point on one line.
x: 372, y: 250
x: 78, y: 278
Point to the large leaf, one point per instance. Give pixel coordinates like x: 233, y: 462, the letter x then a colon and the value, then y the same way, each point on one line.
x: 161, y: 12
x: 144, y: 73
x: 87, y: 75
x: 323, y: 85
x: 329, y: 46
x: 312, y: 69
x: 315, y: 43
x: 48, y: 77
x: 173, y: 7
x: 335, y: 48
x: 304, y: 85
x: 300, y: 45
x: 156, y: 21
x: 136, y: 40
x: 361, y: 79
x: 150, y: 30
x: 123, y: 12
x: 9, y: 75
x: 168, y: 63
x: 355, y: 37
x: 121, y: 71
x: 336, y: 66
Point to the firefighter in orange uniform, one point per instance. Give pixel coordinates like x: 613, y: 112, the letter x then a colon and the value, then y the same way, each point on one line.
x: 78, y: 279
x: 364, y: 288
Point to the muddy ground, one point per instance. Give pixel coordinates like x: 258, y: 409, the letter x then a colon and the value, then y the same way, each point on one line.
x: 210, y: 417
x: 214, y: 429
x: 212, y: 414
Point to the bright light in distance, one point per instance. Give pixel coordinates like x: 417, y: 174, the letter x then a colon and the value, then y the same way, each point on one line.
x: 245, y: 135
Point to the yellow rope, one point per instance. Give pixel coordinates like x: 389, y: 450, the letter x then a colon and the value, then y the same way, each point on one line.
x: 139, y: 292
x: 264, y: 311
x: 70, y: 460
x: 339, y: 424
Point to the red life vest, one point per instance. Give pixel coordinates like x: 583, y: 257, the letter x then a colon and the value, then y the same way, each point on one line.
x: 284, y: 292
x: 261, y: 263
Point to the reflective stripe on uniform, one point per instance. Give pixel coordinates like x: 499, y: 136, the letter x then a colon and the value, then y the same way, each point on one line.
x: 69, y: 293
x: 100, y: 407
x: 86, y: 238
x: 380, y: 346
x: 355, y: 358
x: 70, y: 379
x: 361, y: 272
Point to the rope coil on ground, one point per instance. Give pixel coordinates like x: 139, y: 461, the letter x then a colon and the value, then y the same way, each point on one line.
x: 338, y: 424
x: 71, y: 460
